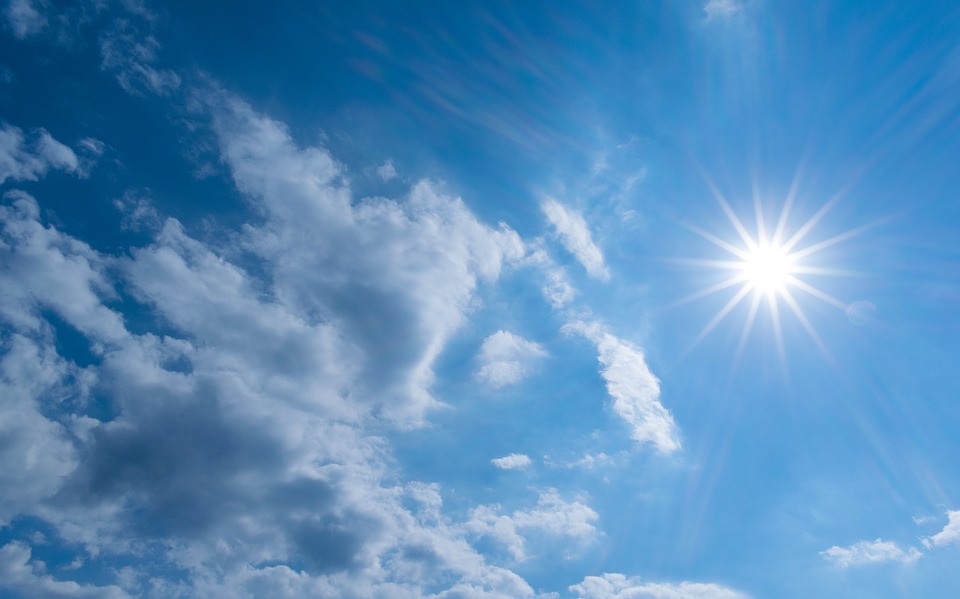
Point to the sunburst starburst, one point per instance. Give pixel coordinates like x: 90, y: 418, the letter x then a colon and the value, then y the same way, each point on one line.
x: 768, y: 267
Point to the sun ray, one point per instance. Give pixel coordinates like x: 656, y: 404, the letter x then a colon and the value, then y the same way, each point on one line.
x: 730, y: 305
x: 770, y: 268
x: 798, y: 312
x: 747, y: 327
x: 817, y: 293
x: 717, y: 241
x: 731, y: 215
x: 725, y: 284
x: 778, y: 332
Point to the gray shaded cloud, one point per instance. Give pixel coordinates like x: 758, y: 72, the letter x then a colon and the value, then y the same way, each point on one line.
x: 29, y: 581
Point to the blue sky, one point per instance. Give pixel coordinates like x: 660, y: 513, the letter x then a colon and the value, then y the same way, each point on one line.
x: 409, y: 300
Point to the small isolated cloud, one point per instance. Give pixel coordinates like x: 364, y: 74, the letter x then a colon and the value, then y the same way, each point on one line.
x: 634, y: 389
x: 387, y: 171
x: 721, y: 8
x: 514, y: 461
x: 130, y: 57
x: 950, y: 533
x: 590, y: 461
x: 575, y: 236
x: 139, y: 214
x: 618, y: 586
x: 869, y: 552
x: 505, y: 358
x: 24, y: 18
x: 27, y: 157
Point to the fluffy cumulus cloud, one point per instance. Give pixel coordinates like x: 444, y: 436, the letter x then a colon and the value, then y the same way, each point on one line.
x: 572, y: 230
x: 221, y: 450
x: 506, y: 358
x: 870, y: 552
x: 618, y: 586
x: 28, y: 156
x: 950, y: 533
x: 552, y: 517
x: 514, y: 461
x: 634, y: 388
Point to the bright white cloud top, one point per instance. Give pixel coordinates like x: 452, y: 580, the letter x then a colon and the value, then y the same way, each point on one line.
x: 572, y: 230
x: 950, y: 535
x: 514, y: 461
x: 290, y: 318
x: 505, y: 358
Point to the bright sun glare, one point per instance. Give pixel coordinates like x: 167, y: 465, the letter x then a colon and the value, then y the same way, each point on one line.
x: 769, y: 268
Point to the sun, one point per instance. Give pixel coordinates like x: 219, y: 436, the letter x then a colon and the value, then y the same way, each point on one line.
x: 768, y: 266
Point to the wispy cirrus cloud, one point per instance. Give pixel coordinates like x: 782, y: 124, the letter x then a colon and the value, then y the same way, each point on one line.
x: 870, y: 552
x: 634, y: 388
x: 514, y: 461
x: 574, y: 234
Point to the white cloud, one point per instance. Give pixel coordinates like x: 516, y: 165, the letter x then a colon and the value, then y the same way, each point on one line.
x: 17, y: 575
x: 575, y: 236
x: 950, y: 533
x: 868, y: 552
x: 556, y: 286
x: 24, y: 18
x: 721, y: 8
x: 386, y: 171
x: 505, y: 358
x: 237, y: 437
x: 552, y: 516
x: 27, y: 157
x: 131, y: 56
x: 513, y: 461
x: 634, y: 388
x: 396, y: 277
x: 618, y: 586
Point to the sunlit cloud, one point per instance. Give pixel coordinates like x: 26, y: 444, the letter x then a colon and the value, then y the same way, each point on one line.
x: 870, y: 552
x: 514, y: 461
x: 950, y: 533
x: 574, y: 234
